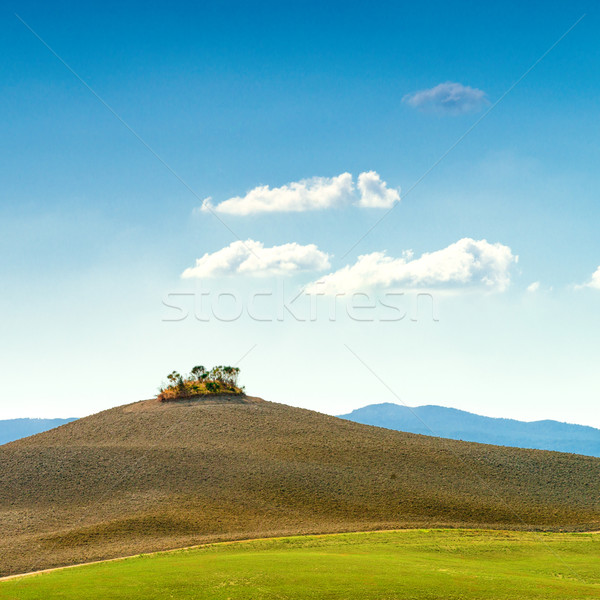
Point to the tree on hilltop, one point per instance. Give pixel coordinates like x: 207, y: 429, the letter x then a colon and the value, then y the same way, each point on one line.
x: 221, y: 379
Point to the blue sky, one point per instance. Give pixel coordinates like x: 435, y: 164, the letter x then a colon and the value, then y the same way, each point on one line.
x: 96, y: 231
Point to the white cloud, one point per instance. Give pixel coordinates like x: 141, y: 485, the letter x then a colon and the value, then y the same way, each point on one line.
x: 253, y: 259
x: 315, y: 193
x: 467, y: 263
x: 594, y: 282
x: 448, y: 98
x: 374, y: 193
x: 533, y: 287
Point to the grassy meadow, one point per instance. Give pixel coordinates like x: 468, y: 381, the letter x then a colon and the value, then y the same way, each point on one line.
x: 407, y: 565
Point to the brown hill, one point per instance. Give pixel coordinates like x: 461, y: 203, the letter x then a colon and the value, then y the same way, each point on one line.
x: 149, y: 476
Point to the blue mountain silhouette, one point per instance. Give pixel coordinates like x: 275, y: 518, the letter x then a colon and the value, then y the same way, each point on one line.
x: 461, y: 425
x: 13, y: 429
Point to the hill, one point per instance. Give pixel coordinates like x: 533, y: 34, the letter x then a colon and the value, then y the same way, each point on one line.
x: 155, y: 475
x: 461, y: 425
x: 14, y: 429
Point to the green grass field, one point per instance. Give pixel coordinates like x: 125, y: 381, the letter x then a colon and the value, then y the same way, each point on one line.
x: 418, y: 564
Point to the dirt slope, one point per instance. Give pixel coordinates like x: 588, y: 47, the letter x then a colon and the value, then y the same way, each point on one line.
x: 149, y: 476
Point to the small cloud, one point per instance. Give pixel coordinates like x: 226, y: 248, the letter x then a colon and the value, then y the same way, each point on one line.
x: 448, y: 98
x: 316, y: 193
x: 593, y: 283
x: 467, y: 263
x: 533, y: 287
x: 374, y: 193
x: 253, y: 259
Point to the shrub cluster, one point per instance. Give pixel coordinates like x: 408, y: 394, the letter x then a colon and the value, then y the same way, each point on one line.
x: 200, y: 382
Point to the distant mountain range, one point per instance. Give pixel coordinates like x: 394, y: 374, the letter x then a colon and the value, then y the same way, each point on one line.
x: 461, y: 425
x: 14, y: 429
